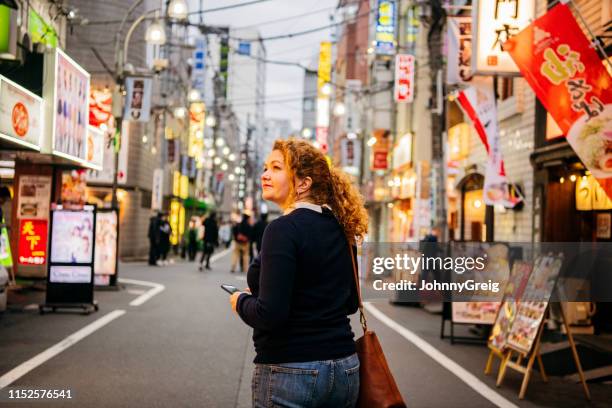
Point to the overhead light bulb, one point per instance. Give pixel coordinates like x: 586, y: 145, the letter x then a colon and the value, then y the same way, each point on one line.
x: 226, y: 151
x: 326, y: 89
x: 224, y: 166
x: 211, y: 121
x: 177, y: 9
x: 339, y: 109
x: 194, y: 95
x: 220, y: 142
x: 180, y: 112
x: 217, y: 161
x: 231, y: 157
x: 155, y: 34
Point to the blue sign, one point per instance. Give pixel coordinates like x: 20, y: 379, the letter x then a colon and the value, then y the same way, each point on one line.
x: 385, y: 28
x: 244, y: 48
x: 198, y: 74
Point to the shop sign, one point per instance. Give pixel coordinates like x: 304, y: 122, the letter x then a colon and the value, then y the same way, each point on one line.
x: 385, y: 28
x: 590, y: 195
x: 352, y: 117
x: 380, y: 150
x: 21, y: 115
x: 6, y: 257
x: 100, y: 107
x: 32, y: 246
x: 105, y: 174
x: 138, y: 99
x: 404, y: 78
x: 34, y: 196
x: 402, y: 153
x: 198, y: 74
x: 94, y: 154
x: 325, y: 67
x: 604, y: 226
x: 105, y: 258
x: 459, y: 42
x: 495, y: 22
x: 157, y: 190
x: 175, y: 208
x: 66, y: 93
x: 558, y: 62
x: 40, y: 31
x: 350, y: 156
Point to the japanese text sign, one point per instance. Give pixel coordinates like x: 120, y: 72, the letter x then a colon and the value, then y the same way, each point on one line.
x: 32, y: 242
x: 571, y: 81
x: 496, y: 21
x: 404, y: 78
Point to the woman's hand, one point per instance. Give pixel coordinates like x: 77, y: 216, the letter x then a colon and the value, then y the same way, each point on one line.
x: 234, y: 298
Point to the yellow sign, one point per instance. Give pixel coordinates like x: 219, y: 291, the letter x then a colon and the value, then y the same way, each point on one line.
x: 176, y: 183
x: 175, y: 208
x: 590, y: 195
x: 325, y: 66
x: 184, y: 189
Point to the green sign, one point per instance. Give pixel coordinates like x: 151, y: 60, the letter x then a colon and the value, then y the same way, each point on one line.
x: 40, y: 31
x: 6, y: 258
x: 5, y: 29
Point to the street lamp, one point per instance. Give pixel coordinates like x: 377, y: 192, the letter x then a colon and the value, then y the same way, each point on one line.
x: 339, y: 109
x: 177, y: 9
x: 155, y: 34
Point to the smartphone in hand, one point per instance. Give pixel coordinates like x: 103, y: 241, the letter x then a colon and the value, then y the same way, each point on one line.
x: 229, y: 288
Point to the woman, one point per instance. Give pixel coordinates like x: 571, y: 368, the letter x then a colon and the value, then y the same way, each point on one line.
x: 302, y: 284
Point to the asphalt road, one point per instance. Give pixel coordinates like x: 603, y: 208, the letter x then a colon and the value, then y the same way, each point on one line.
x: 184, y: 347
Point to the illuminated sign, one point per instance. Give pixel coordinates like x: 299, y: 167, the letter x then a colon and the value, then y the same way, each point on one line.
x: 404, y: 78
x: 385, y: 28
x: 32, y: 247
x: 495, y: 22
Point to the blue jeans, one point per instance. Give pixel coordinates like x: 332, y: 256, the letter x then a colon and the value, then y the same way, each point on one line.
x: 329, y: 383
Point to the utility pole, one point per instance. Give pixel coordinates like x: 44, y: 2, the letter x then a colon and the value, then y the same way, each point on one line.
x: 438, y: 117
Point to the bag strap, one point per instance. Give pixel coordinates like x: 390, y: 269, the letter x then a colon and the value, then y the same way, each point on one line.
x: 362, y: 317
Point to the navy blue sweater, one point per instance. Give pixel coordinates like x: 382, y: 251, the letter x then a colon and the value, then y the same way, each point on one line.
x: 303, y: 290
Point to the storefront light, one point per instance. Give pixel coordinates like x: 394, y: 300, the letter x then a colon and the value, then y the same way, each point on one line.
x: 211, y: 153
x: 477, y: 203
x: 306, y: 133
x: 194, y: 95
x: 326, y: 89
x: 562, y: 180
x: 231, y: 157
x: 155, y: 34
x: 573, y: 178
x: 339, y: 109
x: 177, y: 9
x: 180, y: 112
x: 145, y: 139
x: 372, y: 141
x: 231, y: 177
x: 351, y: 136
x: 211, y: 121
x: 390, y: 205
x: 226, y: 151
x: 220, y: 142
x: 390, y: 183
x: 224, y: 166
x: 397, y: 182
x: 217, y: 161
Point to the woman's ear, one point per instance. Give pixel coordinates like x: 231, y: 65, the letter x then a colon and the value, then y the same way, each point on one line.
x: 304, y: 185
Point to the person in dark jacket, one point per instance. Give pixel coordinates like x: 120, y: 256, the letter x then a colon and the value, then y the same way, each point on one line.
x: 211, y: 239
x: 192, y: 240
x: 242, y: 234
x: 302, y: 286
x: 258, y: 230
x: 153, y: 235
x: 165, y: 230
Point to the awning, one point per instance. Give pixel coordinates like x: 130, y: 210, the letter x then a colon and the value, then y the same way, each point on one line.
x: 197, y: 204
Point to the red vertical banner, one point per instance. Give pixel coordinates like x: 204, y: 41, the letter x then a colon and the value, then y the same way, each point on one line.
x: 404, y: 78
x: 32, y: 249
x: 571, y: 81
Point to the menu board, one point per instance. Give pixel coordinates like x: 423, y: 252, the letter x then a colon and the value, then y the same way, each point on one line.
x: 507, y: 312
x: 497, y: 269
x: 530, y: 313
x: 34, y: 197
x: 72, y: 236
x: 105, y: 262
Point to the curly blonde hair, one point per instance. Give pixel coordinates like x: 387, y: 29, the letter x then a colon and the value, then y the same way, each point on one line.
x: 330, y: 186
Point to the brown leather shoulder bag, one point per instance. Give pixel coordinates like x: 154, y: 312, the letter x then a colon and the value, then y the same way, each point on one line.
x: 377, y: 386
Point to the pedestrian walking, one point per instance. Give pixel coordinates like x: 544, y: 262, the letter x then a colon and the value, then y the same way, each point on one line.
x: 302, y: 286
x: 192, y: 240
x: 258, y: 230
x: 225, y: 234
x: 242, y: 237
x: 165, y: 230
x: 153, y: 235
x: 211, y: 239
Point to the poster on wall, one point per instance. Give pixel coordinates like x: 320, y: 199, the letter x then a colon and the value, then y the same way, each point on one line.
x: 21, y: 114
x: 105, y: 176
x: 94, y: 153
x: 531, y: 310
x: 138, y: 99
x: 32, y: 245
x: 70, y: 108
x: 74, y: 188
x: 72, y: 235
x: 34, y: 197
x: 568, y: 77
x: 105, y: 262
x: 459, y: 40
x: 350, y: 156
x: 100, y: 107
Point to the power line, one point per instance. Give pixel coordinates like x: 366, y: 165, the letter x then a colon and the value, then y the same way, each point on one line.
x: 280, y: 20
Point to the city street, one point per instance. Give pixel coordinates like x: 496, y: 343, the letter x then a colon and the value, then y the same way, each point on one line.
x: 184, y: 347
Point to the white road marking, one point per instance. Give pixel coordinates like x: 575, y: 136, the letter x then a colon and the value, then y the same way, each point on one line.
x: 52, y: 351
x: 156, y: 288
x: 471, y: 380
x: 220, y: 255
